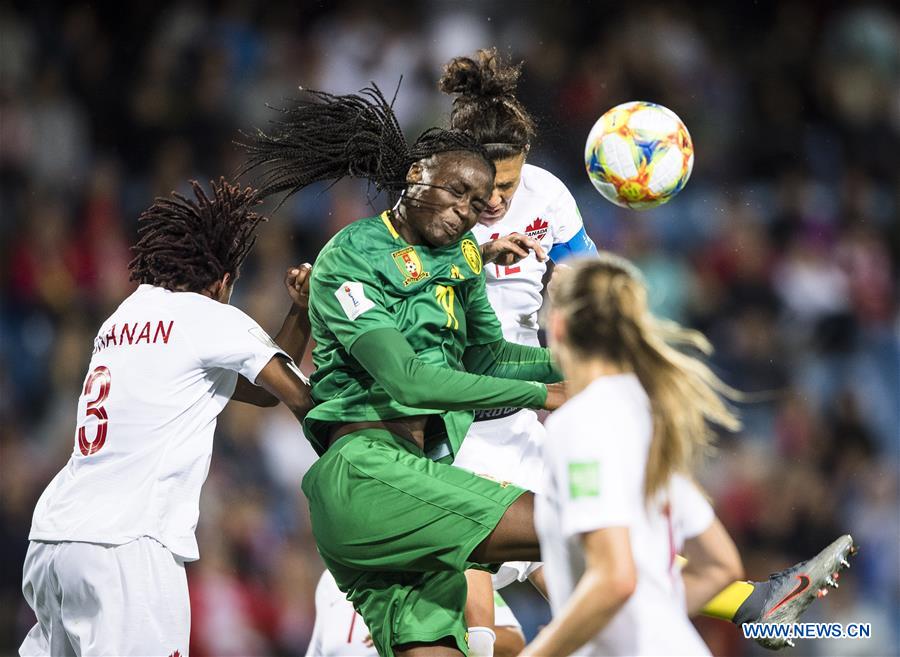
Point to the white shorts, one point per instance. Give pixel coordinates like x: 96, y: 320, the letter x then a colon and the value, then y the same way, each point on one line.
x: 92, y: 599
x: 507, y: 449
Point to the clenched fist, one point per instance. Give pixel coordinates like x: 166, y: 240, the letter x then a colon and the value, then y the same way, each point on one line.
x: 296, y: 280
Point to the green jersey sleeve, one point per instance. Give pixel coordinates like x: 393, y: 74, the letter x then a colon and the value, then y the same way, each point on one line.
x: 484, y: 327
x: 508, y: 360
x: 391, y: 361
x: 346, y: 293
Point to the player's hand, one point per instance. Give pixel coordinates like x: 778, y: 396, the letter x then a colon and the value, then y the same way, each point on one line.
x: 367, y: 642
x: 511, y: 249
x: 556, y: 396
x: 297, y: 283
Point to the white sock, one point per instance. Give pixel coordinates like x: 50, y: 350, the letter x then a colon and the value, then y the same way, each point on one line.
x: 481, y: 642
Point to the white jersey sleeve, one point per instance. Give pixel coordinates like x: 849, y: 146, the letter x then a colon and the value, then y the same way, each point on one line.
x: 692, y: 513
x: 565, y: 220
x: 227, y: 338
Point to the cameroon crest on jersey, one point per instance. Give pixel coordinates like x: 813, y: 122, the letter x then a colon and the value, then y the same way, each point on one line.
x: 409, y: 264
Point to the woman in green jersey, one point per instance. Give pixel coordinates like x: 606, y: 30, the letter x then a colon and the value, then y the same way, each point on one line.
x: 407, y: 346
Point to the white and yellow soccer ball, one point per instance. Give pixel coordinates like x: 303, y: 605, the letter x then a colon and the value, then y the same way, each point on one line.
x: 639, y: 155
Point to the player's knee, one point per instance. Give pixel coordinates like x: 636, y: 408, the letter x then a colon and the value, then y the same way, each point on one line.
x: 514, y: 538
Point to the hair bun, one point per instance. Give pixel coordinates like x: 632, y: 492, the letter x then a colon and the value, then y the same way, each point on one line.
x: 484, y: 77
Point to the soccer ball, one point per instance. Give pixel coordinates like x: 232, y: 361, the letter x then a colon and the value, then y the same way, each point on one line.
x: 639, y: 155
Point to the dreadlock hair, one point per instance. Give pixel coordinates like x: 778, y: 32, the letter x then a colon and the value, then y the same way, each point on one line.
x: 485, y: 103
x: 328, y: 137
x: 188, y: 244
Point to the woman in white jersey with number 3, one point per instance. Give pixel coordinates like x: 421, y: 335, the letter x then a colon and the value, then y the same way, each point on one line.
x: 104, y: 571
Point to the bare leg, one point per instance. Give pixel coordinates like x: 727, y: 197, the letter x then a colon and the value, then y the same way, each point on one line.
x: 537, y: 578
x: 514, y: 538
x: 480, y: 600
x: 445, y: 647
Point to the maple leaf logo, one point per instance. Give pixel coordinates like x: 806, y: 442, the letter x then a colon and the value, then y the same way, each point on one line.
x: 537, y: 228
x: 175, y: 654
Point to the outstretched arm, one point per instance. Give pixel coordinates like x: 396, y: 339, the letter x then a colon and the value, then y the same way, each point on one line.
x: 283, y: 381
x: 508, y: 360
x: 389, y: 358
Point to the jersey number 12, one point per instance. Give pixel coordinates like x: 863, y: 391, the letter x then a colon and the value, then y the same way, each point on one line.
x: 506, y: 270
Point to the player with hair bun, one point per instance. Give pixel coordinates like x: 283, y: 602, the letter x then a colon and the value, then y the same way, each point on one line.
x: 531, y: 209
x: 110, y: 535
x: 531, y: 217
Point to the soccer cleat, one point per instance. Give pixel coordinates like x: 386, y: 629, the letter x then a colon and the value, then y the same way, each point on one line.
x: 792, y: 590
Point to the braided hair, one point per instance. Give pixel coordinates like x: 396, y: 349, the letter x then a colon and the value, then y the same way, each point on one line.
x: 485, y: 103
x: 326, y: 137
x: 188, y: 244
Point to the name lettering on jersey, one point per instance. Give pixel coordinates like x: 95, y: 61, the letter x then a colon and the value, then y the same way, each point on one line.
x: 409, y: 264
x: 472, y: 254
x: 537, y: 229
x: 584, y: 479
x: 352, y: 297
x: 134, y: 333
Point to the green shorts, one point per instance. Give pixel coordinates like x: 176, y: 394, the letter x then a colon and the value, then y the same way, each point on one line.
x: 396, y: 530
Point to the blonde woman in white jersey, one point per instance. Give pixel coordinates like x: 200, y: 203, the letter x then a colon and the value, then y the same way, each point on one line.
x: 618, y: 499
x: 531, y: 218
x: 110, y: 535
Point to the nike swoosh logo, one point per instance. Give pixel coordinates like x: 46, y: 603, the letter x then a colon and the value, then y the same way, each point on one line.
x: 801, y: 587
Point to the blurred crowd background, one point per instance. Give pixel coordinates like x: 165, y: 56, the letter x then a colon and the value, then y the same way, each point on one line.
x: 783, y: 248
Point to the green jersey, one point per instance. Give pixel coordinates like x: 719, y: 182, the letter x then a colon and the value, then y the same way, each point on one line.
x: 367, y: 278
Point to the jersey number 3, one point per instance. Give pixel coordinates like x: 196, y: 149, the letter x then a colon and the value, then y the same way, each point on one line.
x: 101, y: 378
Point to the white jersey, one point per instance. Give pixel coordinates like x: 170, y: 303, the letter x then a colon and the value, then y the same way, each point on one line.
x: 595, y: 479
x: 164, y: 366
x: 544, y: 209
x: 340, y: 630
